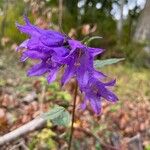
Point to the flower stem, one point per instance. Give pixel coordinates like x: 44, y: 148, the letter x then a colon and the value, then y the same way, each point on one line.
x: 73, y: 114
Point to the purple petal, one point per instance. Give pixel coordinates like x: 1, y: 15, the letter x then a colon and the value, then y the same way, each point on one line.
x: 83, y: 79
x: 95, y: 103
x: 23, y: 45
x: 51, y: 40
x: 82, y: 70
x: 37, y: 70
x: 35, y: 54
x: 83, y: 104
x: 95, y: 51
x: 98, y: 74
x: 29, y: 29
x: 111, y: 96
x: 24, y: 57
x: 110, y: 83
x: 35, y: 44
x: 69, y: 73
x: 60, y: 51
x: 75, y: 44
x: 52, y: 76
x: 107, y: 94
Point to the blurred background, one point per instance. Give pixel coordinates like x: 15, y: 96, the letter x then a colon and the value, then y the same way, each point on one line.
x: 124, y: 26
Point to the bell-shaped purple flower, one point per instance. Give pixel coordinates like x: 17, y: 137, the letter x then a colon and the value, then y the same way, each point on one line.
x: 79, y: 63
x: 94, y: 91
x: 42, y: 45
x: 55, y: 50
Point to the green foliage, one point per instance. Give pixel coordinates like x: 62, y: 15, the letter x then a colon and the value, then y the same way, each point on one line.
x: 100, y: 128
x: 102, y: 63
x: 72, y: 18
x: 98, y: 146
x: 44, y: 139
x: 147, y: 147
x: 13, y: 14
x: 115, y: 108
x: 134, y: 54
x: 2, y: 83
x: 64, y: 95
x: 130, y: 81
x: 58, y: 115
x: 54, y: 113
x: 63, y: 119
x: 55, y: 90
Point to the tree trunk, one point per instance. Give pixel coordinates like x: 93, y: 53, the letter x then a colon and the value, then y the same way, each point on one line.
x: 142, y: 32
x: 120, y: 21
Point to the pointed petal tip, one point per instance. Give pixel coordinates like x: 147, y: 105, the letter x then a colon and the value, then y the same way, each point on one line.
x: 18, y: 25
x: 83, y: 106
x: 113, y: 98
x: 28, y: 74
x: 62, y: 84
x: 98, y: 113
x: 110, y: 83
x: 17, y: 48
x: 27, y: 21
x: 23, y: 58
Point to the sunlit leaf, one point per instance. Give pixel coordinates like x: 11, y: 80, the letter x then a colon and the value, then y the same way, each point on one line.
x: 54, y: 113
x: 58, y: 115
x: 64, y: 119
x: 102, y: 63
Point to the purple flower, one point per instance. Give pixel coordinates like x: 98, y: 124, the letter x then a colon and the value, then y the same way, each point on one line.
x: 55, y: 50
x: 94, y: 91
x: 42, y: 45
x: 79, y: 63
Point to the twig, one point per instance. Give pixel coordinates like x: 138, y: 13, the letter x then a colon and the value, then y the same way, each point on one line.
x: 30, y: 126
x: 22, y: 144
x: 39, y: 123
x: 88, y: 132
x: 73, y: 115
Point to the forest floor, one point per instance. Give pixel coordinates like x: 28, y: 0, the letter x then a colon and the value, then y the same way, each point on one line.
x: 22, y: 99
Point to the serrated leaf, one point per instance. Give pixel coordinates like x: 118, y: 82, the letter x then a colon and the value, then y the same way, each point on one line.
x: 87, y: 41
x: 54, y: 113
x: 64, y: 119
x: 102, y: 63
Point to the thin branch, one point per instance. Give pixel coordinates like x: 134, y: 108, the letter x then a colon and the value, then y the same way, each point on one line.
x: 39, y: 123
x: 30, y: 126
x: 20, y: 144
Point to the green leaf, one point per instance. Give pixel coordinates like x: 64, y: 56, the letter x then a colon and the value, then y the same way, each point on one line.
x: 58, y: 115
x: 115, y: 108
x: 64, y: 119
x: 64, y: 95
x: 88, y: 40
x: 54, y: 113
x: 102, y: 63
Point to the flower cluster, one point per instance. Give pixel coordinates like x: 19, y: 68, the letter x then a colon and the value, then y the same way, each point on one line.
x: 55, y: 50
